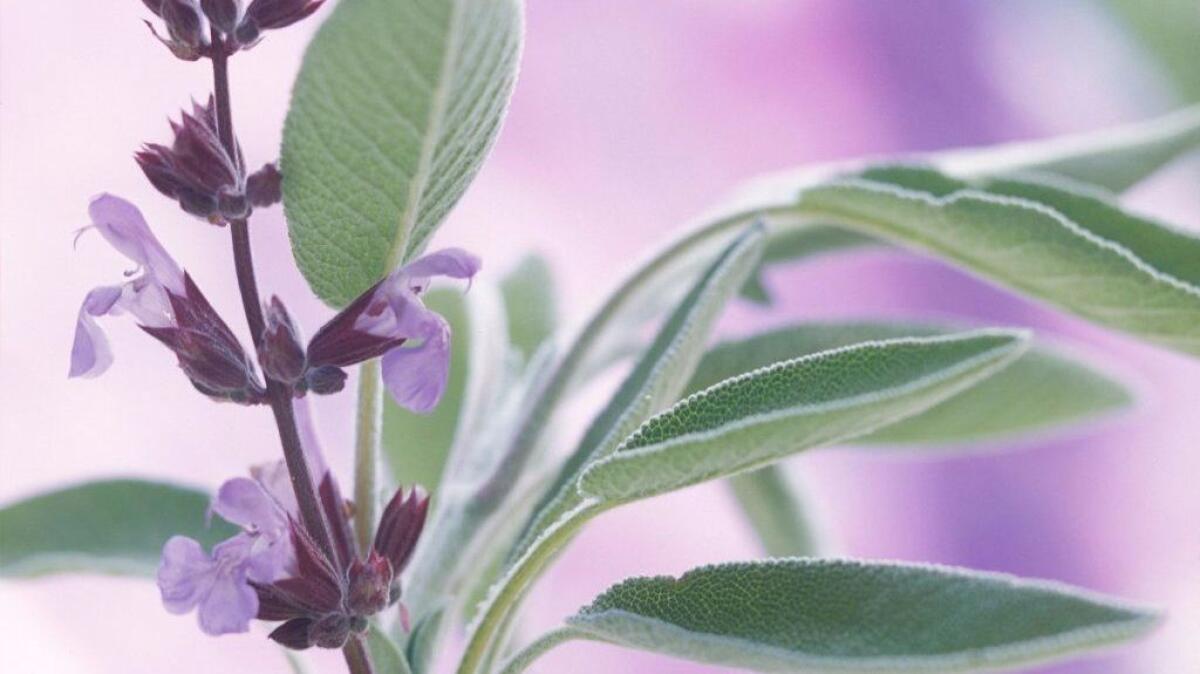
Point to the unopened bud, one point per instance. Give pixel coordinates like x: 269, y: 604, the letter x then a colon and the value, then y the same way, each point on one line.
x: 264, y: 187
x: 185, y: 29
x: 280, y: 353
x: 325, y: 380
x: 370, y: 585
x: 223, y: 14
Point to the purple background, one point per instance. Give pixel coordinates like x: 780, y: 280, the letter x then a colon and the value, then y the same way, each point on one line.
x: 629, y: 118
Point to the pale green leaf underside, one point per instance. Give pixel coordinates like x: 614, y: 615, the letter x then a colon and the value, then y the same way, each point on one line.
x: 659, y: 376
x: 110, y: 526
x: 1037, y: 391
x: 394, y: 109
x: 857, y: 617
x: 1059, y: 242
x: 823, y: 399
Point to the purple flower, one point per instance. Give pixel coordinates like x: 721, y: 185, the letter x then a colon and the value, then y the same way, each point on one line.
x: 385, y: 317
x: 166, y: 304
x: 218, y: 585
x: 271, y: 14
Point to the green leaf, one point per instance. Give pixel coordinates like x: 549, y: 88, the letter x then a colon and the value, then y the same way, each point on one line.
x: 1167, y: 30
x: 777, y: 512
x: 804, y: 615
x: 395, y: 107
x: 1038, y: 391
x: 530, y: 302
x: 657, y: 379
x: 110, y: 526
x: 1116, y: 158
x: 1053, y: 240
x: 386, y: 656
x: 423, y: 641
x: 416, y: 445
x: 824, y: 399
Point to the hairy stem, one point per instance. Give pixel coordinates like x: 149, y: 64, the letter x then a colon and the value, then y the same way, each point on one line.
x: 278, y: 393
x: 520, y: 661
x: 366, y: 453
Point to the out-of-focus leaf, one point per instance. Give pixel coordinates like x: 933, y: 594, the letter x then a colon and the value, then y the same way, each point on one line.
x: 531, y: 304
x: 824, y: 399
x: 109, y: 526
x: 395, y: 107
x: 856, y: 617
x: 1053, y: 240
x: 1167, y: 30
x: 416, y: 445
x: 386, y: 656
x: 1037, y: 391
x: 657, y: 379
x: 793, y: 245
x: 777, y: 512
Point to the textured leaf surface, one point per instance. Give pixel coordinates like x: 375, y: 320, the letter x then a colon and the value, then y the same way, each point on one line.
x: 659, y: 376
x: 531, y: 305
x: 1055, y: 241
x: 849, y: 616
x: 396, y: 105
x: 1039, y: 390
x: 111, y: 526
x: 765, y: 415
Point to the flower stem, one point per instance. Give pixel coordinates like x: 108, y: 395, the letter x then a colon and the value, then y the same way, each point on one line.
x: 278, y: 393
x: 366, y: 453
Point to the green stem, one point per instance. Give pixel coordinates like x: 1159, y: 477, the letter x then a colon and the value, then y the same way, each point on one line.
x: 520, y: 661
x: 776, y: 509
x: 516, y: 584
x: 368, y: 420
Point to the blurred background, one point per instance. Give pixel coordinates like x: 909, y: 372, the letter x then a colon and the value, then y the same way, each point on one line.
x: 629, y: 118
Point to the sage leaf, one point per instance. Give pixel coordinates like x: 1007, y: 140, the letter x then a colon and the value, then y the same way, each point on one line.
x: 659, y: 376
x: 808, y: 615
x: 531, y: 305
x: 396, y: 105
x: 826, y: 398
x: 1039, y: 390
x: 1053, y: 240
x: 777, y: 512
x: 386, y: 656
x: 109, y: 526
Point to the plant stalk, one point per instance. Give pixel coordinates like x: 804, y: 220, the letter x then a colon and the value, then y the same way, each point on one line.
x: 366, y: 453
x: 278, y: 394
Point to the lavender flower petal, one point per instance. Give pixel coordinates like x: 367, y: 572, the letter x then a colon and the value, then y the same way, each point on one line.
x: 184, y: 574
x: 416, y: 377
x: 247, y: 504
x: 452, y: 262
x: 230, y: 603
x: 90, y: 352
x: 123, y: 226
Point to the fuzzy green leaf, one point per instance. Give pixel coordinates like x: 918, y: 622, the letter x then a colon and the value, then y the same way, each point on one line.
x: 1039, y: 390
x: 395, y: 107
x: 110, y: 526
x: 386, y: 656
x: 658, y: 378
x: 777, y: 512
x: 825, y: 616
x: 823, y: 399
x: 1056, y: 241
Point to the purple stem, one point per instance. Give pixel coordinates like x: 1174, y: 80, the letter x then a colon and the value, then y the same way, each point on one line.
x: 278, y: 394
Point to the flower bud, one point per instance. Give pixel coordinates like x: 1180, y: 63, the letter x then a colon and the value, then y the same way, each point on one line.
x: 185, y: 28
x: 280, y: 353
x: 325, y: 380
x: 268, y: 14
x: 223, y: 14
x: 264, y: 187
x: 370, y: 585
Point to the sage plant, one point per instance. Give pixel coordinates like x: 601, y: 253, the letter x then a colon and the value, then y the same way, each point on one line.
x: 394, y: 109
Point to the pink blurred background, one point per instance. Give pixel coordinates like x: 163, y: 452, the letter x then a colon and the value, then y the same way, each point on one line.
x: 629, y: 118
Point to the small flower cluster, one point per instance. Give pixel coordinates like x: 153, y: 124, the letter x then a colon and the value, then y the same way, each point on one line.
x: 190, y: 23
x: 273, y: 570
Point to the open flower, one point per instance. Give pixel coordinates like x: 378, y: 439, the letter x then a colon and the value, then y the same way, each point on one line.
x: 389, y: 315
x: 218, y: 585
x: 166, y: 304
